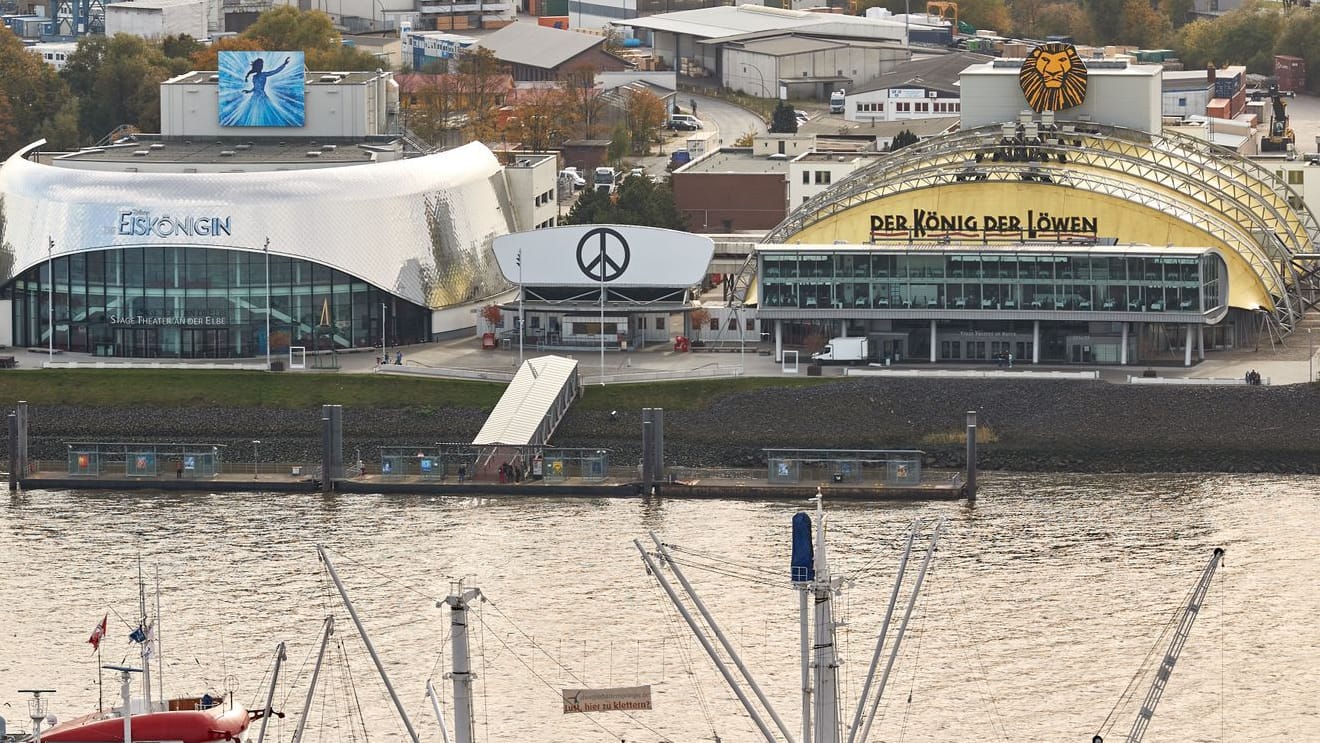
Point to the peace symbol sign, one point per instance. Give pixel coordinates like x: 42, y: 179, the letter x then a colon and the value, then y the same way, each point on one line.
x: 603, y: 259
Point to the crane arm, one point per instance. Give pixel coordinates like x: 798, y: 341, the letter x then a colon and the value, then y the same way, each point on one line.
x: 1175, y: 649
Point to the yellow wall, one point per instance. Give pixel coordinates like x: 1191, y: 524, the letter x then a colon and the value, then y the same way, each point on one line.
x: 1115, y: 217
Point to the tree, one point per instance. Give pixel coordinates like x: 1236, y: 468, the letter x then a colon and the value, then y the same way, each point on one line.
x: 620, y: 143
x: 1105, y: 16
x: 698, y: 318
x: 640, y: 201
x: 126, y: 88
x: 61, y: 132
x: 1247, y: 35
x: 343, y: 59
x: 746, y: 139
x: 645, y: 113
x: 1301, y: 38
x: 1064, y: 18
x: 901, y: 140
x: 784, y: 120
x: 540, y: 119
x: 32, y: 91
x: 208, y: 58
x: 1142, y: 26
x: 285, y: 28
x: 482, y: 82
x: 580, y: 85
x: 182, y: 46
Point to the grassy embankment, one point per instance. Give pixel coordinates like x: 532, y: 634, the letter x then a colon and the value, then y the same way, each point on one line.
x: 224, y: 389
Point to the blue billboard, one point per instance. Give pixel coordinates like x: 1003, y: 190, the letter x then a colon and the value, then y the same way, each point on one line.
x: 261, y: 88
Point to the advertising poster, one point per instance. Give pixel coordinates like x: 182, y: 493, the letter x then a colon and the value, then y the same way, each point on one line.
x: 261, y: 88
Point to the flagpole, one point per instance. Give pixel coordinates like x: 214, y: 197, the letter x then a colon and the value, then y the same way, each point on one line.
x: 100, y: 698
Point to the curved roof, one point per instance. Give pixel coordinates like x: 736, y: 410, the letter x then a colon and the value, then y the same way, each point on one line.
x: 1223, y: 199
x: 420, y: 228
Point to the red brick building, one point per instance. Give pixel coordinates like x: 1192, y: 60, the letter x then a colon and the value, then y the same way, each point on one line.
x: 732, y: 189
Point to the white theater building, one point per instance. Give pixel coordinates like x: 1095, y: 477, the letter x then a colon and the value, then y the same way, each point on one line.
x: 208, y: 241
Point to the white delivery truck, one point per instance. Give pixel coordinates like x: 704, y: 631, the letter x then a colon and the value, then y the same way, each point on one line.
x: 605, y: 179
x: 856, y: 350
x: 702, y: 142
x: 837, y: 101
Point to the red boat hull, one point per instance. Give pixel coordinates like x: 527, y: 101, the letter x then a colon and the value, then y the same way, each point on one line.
x: 185, y: 726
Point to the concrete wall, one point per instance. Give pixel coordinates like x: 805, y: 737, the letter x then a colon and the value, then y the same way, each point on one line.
x: 1129, y: 97
x: 152, y: 23
x: 333, y: 110
x: 532, y: 183
x: 746, y: 201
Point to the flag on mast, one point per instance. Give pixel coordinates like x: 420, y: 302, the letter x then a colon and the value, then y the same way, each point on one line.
x: 98, y: 633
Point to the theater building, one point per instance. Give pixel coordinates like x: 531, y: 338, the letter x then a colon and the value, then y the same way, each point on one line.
x: 192, y: 243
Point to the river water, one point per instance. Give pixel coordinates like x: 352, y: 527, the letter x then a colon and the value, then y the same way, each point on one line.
x: 1042, y: 603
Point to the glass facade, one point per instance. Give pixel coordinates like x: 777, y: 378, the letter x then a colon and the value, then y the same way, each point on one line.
x: 991, y: 280
x: 177, y: 302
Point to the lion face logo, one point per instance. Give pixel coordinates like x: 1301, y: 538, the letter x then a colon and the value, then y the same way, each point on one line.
x: 1053, y: 77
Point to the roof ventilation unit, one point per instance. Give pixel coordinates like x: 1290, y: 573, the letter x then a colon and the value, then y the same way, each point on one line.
x: 140, y: 153
x: 329, y: 147
x: 244, y: 146
x: 226, y: 153
x: 156, y: 146
x: 314, y: 153
x: 213, y: 79
x: 329, y: 79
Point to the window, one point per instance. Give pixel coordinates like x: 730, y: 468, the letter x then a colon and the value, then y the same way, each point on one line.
x: 823, y: 177
x: 1182, y: 101
x: 714, y: 323
x: 659, y: 323
x: 750, y: 324
x: 733, y: 323
x: 806, y: 176
x: 1295, y: 177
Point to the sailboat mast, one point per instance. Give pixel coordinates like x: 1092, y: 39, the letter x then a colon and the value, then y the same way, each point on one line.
x: 269, y: 709
x: 884, y: 632
x: 144, y: 647
x: 439, y: 714
x: 371, y: 649
x: 316, y: 673
x: 826, y: 658
x: 462, y: 674
x: 155, y: 638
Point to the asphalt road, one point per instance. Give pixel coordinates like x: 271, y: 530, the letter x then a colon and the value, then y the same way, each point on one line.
x: 728, y: 121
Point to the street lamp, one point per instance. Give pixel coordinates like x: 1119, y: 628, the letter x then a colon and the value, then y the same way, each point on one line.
x: 759, y: 76
x: 1310, y: 356
x: 522, y: 327
x: 255, y: 443
x: 266, y: 249
x: 382, y: 332
x: 50, y: 298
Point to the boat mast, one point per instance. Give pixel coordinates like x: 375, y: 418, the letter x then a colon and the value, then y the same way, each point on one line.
x: 719, y: 634
x: 155, y: 637
x: 144, y: 648
x: 884, y: 631
x: 316, y: 672
x: 371, y: 649
x: 125, y: 693
x: 654, y: 569
x: 902, y: 627
x: 269, y: 709
x: 439, y: 715
x: 826, y: 658
x: 462, y: 675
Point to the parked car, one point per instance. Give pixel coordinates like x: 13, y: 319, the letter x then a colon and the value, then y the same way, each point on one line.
x: 801, y: 116
x: 683, y: 122
x: 572, y: 175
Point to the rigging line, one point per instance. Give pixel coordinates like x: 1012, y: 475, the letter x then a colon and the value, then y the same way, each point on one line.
x: 387, y: 577
x: 718, y: 558
x: 767, y: 581
x: 916, y: 667
x: 670, y: 613
x: 293, y: 682
x: 1222, y: 604
x: 355, y: 699
x: 557, y: 692
x: 485, y: 705
x: 1143, y: 668
x: 987, y: 690
x: 534, y: 644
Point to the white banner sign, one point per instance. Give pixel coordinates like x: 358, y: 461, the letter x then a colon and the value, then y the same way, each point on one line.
x: 607, y: 700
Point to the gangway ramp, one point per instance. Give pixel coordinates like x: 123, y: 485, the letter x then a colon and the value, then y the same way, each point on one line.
x: 534, y: 403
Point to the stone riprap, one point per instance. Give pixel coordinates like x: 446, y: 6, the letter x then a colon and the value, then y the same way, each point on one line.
x: 1033, y: 425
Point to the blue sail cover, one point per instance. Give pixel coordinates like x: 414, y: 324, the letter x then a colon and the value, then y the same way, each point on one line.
x: 804, y: 559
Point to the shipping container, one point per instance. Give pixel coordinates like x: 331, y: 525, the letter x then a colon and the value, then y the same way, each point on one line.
x: 1217, y: 108
x: 1290, y: 72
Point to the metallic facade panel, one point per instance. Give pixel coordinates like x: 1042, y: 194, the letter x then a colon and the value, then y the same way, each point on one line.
x: 419, y: 228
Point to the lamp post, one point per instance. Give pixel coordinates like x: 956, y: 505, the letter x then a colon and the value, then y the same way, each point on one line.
x: 50, y: 299
x: 266, y: 249
x: 759, y: 76
x: 522, y: 328
x: 1310, y: 356
x: 255, y: 443
x: 382, y: 332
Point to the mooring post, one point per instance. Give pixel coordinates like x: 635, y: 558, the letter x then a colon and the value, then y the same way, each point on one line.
x: 13, y: 453
x: 24, y: 468
x: 658, y: 439
x: 327, y: 461
x: 648, y: 461
x: 971, y: 455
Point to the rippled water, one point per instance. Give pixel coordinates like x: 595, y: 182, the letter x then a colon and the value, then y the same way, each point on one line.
x: 1042, y: 603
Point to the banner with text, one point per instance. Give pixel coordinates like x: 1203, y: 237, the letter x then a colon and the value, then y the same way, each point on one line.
x: 607, y: 700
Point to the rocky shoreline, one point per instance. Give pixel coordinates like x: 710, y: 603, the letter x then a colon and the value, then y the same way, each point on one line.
x: 1031, y: 425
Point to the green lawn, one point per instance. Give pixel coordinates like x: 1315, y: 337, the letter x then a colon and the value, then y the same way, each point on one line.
x: 171, y: 388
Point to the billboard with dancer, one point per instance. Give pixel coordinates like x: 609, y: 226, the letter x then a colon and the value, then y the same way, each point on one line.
x: 261, y: 88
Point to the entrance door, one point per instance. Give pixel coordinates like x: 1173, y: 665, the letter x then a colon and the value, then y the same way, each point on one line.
x: 206, y: 343
x: 137, y: 342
